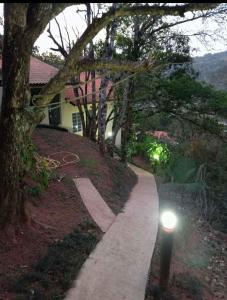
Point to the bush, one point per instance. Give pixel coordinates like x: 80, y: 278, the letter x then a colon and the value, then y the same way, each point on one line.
x: 155, y: 151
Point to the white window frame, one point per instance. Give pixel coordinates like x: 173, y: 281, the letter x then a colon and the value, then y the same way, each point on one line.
x: 76, y: 122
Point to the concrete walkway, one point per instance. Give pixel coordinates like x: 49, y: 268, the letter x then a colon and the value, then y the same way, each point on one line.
x: 96, y: 206
x: 118, y: 267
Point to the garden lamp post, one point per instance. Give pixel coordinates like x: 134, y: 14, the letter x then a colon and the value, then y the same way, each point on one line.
x: 168, y: 223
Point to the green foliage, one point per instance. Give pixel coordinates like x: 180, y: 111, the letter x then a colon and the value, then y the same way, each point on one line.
x: 27, y: 156
x: 36, y: 169
x: 181, y: 169
x: 48, y: 57
x: 132, y: 149
x: 155, y: 151
x: 44, y: 177
x: 180, y: 94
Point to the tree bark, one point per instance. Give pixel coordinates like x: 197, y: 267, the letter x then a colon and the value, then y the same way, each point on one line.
x: 102, y: 115
x: 109, y: 51
x: 92, y: 116
x: 127, y: 127
x: 120, y: 119
x: 15, y: 124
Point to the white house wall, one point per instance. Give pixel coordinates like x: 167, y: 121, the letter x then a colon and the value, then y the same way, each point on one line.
x: 67, y: 110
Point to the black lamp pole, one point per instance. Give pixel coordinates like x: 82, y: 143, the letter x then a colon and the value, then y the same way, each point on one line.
x: 165, y: 257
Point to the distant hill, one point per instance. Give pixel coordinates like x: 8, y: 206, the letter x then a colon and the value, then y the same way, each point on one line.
x: 212, y: 69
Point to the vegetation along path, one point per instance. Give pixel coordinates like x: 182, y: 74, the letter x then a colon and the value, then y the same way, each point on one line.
x: 118, y: 267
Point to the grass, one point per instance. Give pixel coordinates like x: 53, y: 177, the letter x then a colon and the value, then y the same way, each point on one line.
x: 53, y: 275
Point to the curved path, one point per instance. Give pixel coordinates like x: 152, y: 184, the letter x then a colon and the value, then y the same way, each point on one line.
x: 118, y: 267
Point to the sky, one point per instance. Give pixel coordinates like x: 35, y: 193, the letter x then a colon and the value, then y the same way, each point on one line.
x: 71, y: 19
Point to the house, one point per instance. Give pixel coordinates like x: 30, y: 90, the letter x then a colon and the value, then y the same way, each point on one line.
x: 66, y: 113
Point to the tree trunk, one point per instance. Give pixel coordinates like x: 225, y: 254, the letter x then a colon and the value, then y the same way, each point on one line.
x: 14, y: 132
x: 110, y: 37
x: 15, y: 123
x: 93, y: 127
x: 127, y: 127
x: 102, y: 115
x: 120, y: 119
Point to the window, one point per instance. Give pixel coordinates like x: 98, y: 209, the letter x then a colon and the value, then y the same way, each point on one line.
x: 77, y: 125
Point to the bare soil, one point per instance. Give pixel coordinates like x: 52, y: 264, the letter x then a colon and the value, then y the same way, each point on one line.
x: 59, y: 209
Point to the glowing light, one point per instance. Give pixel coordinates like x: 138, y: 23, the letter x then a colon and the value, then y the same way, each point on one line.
x: 168, y: 220
x: 156, y: 156
x: 109, y: 134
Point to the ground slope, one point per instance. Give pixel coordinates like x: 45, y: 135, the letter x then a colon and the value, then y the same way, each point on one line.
x: 59, y: 209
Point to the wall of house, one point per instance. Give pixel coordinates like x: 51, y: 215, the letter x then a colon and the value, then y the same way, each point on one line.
x: 109, y: 124
x: 118, y: 139
x: 66, y: 117
x: 46, y: 119
x: 68, y: 109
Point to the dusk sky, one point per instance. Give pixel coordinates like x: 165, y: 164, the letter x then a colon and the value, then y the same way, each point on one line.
x: 76, y: 21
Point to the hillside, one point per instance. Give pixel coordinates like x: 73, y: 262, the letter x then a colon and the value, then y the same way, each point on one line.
x: 212, y: 69
x: 59, y: 219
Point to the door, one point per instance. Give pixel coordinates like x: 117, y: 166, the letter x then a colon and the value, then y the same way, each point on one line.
x: 55, y: 111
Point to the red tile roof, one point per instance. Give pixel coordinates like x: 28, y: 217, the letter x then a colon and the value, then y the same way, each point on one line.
x: 40, y: 72
x: 69, y: 93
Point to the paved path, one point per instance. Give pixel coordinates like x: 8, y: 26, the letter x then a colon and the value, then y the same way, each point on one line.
x: 96, y: 206
x: 118, y: 267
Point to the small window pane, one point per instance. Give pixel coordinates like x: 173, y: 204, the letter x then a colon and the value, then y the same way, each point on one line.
x: 77, y: 125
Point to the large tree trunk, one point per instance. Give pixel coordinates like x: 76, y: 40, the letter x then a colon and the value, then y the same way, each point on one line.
x: 15, y: 125
x: 14, y: 132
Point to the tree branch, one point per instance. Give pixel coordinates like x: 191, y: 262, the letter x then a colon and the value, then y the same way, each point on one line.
x: 60, y: 33
x: 38, y: 16
x: 60, y: 48
x: 115, y: 66
x: 56, y: 84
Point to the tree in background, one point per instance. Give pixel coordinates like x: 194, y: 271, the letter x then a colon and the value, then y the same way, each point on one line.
x: 188, y: 110
x: 48, y: 57
x: 140, y: 38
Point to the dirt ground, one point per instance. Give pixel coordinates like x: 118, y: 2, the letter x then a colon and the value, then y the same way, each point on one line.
x: 59, y: 209
x: 199, y: 260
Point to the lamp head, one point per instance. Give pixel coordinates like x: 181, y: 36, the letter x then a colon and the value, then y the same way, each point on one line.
x: 168, y: 221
